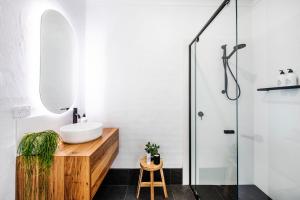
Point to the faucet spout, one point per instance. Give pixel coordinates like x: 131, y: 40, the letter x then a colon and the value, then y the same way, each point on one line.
x: 76, y: 116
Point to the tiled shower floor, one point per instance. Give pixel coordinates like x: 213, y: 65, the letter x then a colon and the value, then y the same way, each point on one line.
x: 246, y: 192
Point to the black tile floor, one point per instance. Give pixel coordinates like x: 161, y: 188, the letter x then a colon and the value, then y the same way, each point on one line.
x: 251, y: 192
x: 119, y: 192
x: 245, y: 192
x: 180, y: 192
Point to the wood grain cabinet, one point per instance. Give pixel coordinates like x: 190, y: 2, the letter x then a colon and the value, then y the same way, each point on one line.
x: 78, y: 169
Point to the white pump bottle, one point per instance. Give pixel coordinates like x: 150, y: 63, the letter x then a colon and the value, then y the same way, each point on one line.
x: 281, y: 78
x: 291, y: 78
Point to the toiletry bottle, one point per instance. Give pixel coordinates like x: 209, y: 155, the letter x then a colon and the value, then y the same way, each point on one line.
x: 291, y: 78
x: 148, y: 158
x: 281, y: 78
x: 83, y: 119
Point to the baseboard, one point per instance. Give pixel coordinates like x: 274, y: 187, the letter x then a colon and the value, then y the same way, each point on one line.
x: 130, y: 176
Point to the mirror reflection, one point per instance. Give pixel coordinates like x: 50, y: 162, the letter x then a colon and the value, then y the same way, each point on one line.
x: 57, y: 68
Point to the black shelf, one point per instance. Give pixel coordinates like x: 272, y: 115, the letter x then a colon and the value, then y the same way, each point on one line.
x: 279, y: 88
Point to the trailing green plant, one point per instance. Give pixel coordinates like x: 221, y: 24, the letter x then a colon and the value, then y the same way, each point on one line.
x: 37, y: 150
x: 152, y: 148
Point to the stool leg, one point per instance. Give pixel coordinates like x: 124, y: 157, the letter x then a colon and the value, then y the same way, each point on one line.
x: 163, y: 182
x: 139, y: 183
x: 152, y: 185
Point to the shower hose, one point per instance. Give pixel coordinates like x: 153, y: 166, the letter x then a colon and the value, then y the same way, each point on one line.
x: 225, y: 91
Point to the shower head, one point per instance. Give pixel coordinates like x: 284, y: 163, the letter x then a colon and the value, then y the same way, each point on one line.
x: 239, y: 46
x: 235, y: 48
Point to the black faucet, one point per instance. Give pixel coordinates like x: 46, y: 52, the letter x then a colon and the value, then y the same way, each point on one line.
x: 76, y: 116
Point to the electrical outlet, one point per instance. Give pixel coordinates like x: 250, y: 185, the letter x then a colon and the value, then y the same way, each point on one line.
x: 21, y: 111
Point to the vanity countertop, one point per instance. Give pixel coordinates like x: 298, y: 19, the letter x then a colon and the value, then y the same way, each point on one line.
x: 88, y: 148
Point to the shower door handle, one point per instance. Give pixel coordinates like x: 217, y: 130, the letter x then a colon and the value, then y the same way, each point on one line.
x: 229, y: 131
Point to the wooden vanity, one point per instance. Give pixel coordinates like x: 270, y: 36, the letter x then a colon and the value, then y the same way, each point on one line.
x: 78, y: 169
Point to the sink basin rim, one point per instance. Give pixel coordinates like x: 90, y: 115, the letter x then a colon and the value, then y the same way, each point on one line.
x: 80, y: 127
x: 81, y: 132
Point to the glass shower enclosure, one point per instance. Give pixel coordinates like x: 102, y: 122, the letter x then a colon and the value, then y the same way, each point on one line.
x: 244, y: 131
x: 213, y: 118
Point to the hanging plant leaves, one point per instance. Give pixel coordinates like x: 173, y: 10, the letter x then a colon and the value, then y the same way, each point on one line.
x: 37, y: 150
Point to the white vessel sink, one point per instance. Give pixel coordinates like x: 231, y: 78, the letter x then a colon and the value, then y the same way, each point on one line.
x: 81, y: 132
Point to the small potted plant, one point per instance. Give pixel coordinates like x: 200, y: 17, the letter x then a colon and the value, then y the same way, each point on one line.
x: 152, y: 153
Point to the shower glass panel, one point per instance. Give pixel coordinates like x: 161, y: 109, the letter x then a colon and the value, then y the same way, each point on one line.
x: 257, y: 158
x: 269, y: 134
x: 213, y: 120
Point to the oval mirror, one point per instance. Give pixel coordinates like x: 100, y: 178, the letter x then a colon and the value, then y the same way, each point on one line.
x: 57, y: 68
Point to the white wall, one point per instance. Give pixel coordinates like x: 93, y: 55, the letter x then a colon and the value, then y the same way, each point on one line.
x: 19, y: 66
x: 137, y: 76
x: 276, y: 45
x: 137, y: 73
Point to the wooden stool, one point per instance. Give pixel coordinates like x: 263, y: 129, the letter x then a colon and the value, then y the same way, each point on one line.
x: 151, y: 168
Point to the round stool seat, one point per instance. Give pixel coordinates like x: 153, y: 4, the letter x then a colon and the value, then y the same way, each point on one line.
x: 151, y: 167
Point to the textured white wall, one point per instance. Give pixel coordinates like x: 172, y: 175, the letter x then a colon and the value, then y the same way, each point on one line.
x: 19, y: 63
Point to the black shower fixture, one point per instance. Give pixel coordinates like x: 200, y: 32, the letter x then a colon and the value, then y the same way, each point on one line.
x: 225, y: 59
x: 235, y: 48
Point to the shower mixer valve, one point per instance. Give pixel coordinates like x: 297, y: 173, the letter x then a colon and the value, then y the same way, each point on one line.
x: 200, y: 114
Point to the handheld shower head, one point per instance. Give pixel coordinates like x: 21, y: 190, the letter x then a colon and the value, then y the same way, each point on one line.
x: 235, y: 48
x: 239, y: 46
